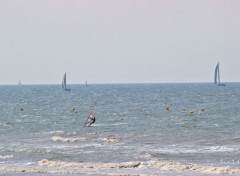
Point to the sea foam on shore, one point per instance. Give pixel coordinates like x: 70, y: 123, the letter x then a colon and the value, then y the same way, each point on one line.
x: 152, y: 167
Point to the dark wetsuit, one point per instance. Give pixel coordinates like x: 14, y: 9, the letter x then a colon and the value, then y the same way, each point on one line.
x: 92, y: 121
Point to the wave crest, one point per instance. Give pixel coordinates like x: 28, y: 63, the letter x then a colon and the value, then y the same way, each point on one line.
x: 47, y: 162
x: 112, y: 139
x: 5, y: 156
x: 64, y: 139
x: 174, y: 166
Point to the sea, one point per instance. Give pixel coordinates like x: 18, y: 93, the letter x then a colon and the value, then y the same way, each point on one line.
x: 140, y: 129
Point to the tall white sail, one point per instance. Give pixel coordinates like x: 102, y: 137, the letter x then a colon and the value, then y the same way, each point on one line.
x: 217, y: 76
x: 64, y: 83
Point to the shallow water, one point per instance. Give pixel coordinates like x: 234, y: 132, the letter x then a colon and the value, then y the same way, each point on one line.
x: 185, y: 123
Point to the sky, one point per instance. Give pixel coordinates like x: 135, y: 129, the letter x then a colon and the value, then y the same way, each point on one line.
x: 118, y: 41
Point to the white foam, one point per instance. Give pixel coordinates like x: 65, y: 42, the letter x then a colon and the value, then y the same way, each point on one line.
x: 174, y: 166
x: 2, y: 157
x: 128, y: 168
x: 191, y: 149
x: 145, y: 156
x: 112, y: 139
x: 109, y: 125
x: 52, y: 163
x: 116, y: 124
x: 162, y: 165
x: 56, y: 132
x: 64, y: 139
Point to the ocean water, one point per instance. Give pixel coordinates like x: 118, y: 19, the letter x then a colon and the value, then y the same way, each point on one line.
x: 152, y: 129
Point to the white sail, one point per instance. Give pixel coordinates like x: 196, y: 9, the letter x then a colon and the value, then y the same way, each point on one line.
x: 90, y: 120
x: 64, y: 83
x: 217, y: 76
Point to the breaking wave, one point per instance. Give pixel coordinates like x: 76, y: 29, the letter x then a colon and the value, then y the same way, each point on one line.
x: 64, y: 139
x: 174, y: 166
x: 47, y: 162
x: 207, y: 149
x: 112, y: 139
x: 61, y: 167
x: 2, y: 157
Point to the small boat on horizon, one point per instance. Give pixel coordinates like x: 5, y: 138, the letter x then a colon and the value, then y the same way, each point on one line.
x: 64, y: 83
x: 217, y: 76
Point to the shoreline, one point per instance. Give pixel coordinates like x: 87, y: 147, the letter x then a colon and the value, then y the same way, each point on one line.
x: 152, y: 167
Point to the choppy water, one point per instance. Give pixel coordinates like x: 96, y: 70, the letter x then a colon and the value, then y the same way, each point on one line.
x: 185, y: 123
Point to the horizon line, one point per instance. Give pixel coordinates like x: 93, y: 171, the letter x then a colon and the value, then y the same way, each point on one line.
x: 22, y: 84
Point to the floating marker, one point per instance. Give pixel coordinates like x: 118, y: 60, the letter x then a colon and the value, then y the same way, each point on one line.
x: 191, y: 112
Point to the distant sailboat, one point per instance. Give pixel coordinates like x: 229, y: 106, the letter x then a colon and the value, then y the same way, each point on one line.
x: 19, y: 83
x: 217, y: 77
x: 64, y: 83
x: 86, y: 84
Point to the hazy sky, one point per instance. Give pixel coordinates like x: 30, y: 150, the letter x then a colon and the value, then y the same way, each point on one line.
x: 118, y: 41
